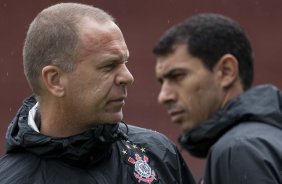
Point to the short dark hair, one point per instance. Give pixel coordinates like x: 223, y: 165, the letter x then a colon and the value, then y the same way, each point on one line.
x: 209, y: 36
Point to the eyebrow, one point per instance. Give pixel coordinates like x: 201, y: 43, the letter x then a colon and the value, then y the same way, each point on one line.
x: 119, y: 54
x: 122, y: 57
x: 170, y: 73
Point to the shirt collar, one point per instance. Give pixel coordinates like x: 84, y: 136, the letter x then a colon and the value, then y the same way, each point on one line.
x: 31, y: 116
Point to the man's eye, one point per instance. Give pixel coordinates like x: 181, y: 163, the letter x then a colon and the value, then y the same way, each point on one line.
x: 177, y: 76
x: 110, y: 67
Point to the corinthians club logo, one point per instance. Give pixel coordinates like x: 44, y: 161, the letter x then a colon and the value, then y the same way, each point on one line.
x: 143, y: 171
x: 136, y: 157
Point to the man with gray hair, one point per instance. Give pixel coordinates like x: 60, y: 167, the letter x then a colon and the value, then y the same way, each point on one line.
x: 71, y: 129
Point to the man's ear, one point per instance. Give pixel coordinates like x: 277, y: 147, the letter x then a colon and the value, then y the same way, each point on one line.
x: 228, y: 68
x: 52, y: 80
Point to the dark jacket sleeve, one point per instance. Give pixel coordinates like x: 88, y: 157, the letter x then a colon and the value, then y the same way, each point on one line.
x: 245, y: 161
x: 164, y: 156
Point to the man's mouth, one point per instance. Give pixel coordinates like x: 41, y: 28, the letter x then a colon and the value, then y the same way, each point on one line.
x: 117, y: 101
x: 176, y: 116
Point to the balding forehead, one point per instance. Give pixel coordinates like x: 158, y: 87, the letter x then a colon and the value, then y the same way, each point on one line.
x: 93, y: 32
x: 105, y: 38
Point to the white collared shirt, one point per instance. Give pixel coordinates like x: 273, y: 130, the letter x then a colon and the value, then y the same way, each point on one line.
x: 31, y: 116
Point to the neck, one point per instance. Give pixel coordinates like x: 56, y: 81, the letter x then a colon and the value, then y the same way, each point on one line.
x: 55, y: 121
x: 232, y: 92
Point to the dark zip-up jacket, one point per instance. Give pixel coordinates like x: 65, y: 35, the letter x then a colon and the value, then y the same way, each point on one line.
x: 106, y: 154
x: 243, y: 141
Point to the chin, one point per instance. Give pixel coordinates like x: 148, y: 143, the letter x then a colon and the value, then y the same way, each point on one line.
x: 112, y: 117
x: 115, y: 118
x: 186, y: 127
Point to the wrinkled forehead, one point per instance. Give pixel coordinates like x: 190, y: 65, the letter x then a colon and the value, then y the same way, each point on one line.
x: 102, y: 37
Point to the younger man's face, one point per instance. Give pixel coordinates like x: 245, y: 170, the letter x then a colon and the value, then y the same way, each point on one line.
x: 190, y: 92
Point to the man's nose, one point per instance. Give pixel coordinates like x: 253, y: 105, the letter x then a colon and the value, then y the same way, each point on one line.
x: 166, y: 94
x: 125, y: 77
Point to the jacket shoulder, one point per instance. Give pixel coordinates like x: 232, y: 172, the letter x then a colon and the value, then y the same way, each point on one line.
x: 17, y: 168
x: 249, y: 133
x: 147, y: 136
x: 163, y: 154
x: 246, y: 148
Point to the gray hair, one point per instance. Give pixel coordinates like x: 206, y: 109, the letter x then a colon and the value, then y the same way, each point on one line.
x: 53, y: 39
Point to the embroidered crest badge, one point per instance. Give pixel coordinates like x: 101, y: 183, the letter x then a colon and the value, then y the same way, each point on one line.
x: 139, y: 161
x: 142, y: 170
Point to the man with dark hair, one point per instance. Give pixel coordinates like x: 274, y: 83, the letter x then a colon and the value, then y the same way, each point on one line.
x: 72, y: 131
x: 205, y: 68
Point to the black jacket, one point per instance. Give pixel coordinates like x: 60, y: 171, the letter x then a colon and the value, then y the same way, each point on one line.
x: 106, y: 154
x: 243, y: 141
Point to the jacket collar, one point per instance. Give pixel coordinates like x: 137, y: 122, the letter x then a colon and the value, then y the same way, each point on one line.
x: 259, y: 104
x: 86, y: 148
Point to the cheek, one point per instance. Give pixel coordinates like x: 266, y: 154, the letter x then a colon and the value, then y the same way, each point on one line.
x: 99, y: 90
x: 194, y: 101
x: 198, y: 93
x: 208, y: 99
x: 93, y: 84
x: 86, y: 90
